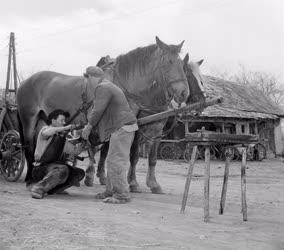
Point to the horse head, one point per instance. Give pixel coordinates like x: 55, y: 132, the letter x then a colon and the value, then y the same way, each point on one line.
x: 195, y: 80
x: 170, y: 71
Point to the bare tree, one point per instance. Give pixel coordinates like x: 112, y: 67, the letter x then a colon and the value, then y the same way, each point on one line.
x: 265, y: 82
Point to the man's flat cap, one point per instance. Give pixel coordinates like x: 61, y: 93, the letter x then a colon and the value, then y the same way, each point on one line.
x: 94, y: 71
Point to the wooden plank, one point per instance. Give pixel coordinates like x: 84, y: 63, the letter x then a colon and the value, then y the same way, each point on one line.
x: 243, y: 184
x: 206, y: 184
x: 215, y: 137
x: 168, y: 113
x: 188, y: 179
x: 225, y: 181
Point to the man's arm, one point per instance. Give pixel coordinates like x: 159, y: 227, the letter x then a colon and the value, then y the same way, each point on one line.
x: 103, y: 96
x: 50, y: 131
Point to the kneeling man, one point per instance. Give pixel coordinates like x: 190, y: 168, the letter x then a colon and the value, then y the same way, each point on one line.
x: 51, y: 172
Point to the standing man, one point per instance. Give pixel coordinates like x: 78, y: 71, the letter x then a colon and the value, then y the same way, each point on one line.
x: 52, y: 173
x: 113, y: 119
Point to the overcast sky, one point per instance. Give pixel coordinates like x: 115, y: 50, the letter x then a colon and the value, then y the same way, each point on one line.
x: 69, y: 35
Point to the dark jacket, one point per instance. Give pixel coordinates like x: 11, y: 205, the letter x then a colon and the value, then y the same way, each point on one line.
x: 111, y: 110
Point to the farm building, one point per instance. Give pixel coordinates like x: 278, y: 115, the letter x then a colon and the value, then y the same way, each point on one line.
x: 245, y: 110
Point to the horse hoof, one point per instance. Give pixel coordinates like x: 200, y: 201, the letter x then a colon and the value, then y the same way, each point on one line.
x: 102, y: 180
x: 89, y: 182
x: 135, y: 189
x: 157, y: 190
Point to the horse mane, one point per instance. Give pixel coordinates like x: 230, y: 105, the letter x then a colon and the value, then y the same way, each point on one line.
x: 139, y: 57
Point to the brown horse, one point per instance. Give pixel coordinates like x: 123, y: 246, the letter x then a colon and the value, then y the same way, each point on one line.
x: 152, y: 134
x: 155, y: 71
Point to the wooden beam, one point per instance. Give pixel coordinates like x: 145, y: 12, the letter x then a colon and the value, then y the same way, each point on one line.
x: 9, y: 66
x: 14, y: 63
x: 169, y: 113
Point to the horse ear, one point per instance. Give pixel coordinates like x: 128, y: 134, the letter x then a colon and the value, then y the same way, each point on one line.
x: 180, y: 46
x: 200, y: 62
x: 161, y: 44
x: 185, y: 59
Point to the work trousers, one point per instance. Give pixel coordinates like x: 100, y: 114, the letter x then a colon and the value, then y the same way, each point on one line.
x: 56, y: 177
x: 117, y: 163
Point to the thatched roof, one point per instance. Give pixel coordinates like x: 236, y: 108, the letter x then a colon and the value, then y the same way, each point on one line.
x: 239, y: 101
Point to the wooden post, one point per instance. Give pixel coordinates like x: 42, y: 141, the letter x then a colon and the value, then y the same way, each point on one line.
x: 223, y: 127
x: 206, y: 184
x: 14, y: 62
x: 9, y: 66
x: 186, y: 127
x: 243, y: 184
x: 255, y: 128
x: 246, y: 128
x: 225, y: 180
x: 188, y: 179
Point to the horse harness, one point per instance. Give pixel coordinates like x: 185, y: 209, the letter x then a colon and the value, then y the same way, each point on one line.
x: 84, y: 106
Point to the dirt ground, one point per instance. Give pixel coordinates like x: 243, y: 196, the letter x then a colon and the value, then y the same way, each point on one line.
x: 151, y: 221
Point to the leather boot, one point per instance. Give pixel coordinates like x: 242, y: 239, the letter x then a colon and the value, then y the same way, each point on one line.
x: 50, y: 181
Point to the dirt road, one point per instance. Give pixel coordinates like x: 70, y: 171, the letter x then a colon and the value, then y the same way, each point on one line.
x: 78, y: 221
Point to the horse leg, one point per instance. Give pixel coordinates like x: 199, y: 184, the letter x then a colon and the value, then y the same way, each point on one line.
x: 31, y: 129
x: 134, y: 157
x: 151, y: 181
x: 29, y: 159
x: 90, y: 171
x: 101, y: 165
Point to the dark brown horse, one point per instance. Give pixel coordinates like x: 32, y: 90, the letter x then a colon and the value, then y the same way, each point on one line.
x: 147, y: 73
x: 197, y: 94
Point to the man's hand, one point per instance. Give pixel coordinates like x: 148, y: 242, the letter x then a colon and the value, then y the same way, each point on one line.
x: 86, y: 131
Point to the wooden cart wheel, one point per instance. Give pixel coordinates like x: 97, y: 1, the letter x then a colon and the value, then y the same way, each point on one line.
x: 178, y: 151
x: 13, y: 167
x: 167, y: 151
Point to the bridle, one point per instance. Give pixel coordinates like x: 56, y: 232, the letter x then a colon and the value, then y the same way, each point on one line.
x: 162, y: 82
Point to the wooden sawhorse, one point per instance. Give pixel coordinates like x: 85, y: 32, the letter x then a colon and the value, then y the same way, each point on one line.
x: 207, y: 180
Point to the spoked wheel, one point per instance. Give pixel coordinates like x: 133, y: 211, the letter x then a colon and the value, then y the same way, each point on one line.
x: 167, y: 151
x: 13, y: 166
x: 201, y: 155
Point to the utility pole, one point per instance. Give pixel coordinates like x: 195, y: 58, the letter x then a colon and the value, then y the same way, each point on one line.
x: 12, y: 68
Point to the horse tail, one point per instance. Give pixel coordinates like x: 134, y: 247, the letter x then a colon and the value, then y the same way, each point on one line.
x: 41, y: 116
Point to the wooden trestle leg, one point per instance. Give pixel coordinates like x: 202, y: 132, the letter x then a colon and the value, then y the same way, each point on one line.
x: 188, y: 179
x: 225, y: 180
x: 206, y: 184
x: 243, y: 184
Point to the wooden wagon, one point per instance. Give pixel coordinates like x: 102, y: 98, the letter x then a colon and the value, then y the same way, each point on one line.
x: 11, y: 167
x: 13, y: 160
